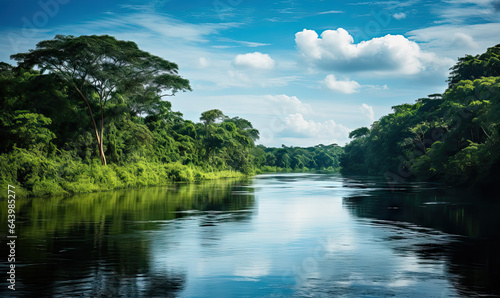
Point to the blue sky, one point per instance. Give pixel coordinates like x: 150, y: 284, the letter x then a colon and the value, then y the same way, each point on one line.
x: 303, y: 72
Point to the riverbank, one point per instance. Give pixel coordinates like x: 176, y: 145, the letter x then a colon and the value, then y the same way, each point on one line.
x: 275, y: 169
x: 37, y: 176
x: 62, y: 173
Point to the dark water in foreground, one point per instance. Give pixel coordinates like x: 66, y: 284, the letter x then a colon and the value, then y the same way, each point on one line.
x: 274, y: 236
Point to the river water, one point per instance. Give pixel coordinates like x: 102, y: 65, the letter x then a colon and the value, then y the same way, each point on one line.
x: 275, y: 235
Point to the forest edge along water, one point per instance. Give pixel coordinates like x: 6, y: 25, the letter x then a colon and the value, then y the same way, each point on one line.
x: 275, y: 235
x: 97, y: 120
x: 82, y: 115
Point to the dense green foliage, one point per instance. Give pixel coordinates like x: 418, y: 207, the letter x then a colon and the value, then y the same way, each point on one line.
x: 51, y: 142
x: 298, y: 159
x: 48, y: 141
x: 474, y: 67
x: 107, y: 74
x: 453, y: 137
x: 76, y: 100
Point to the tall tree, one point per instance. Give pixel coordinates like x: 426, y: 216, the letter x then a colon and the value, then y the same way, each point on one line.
x: 210, y: 116
x: 246, y: 128
x: 102, y: 69
x: 359, y: 132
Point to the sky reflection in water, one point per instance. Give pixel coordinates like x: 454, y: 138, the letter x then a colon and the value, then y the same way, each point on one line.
x: 277, y: 235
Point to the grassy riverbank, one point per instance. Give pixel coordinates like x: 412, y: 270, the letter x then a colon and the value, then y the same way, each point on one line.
x: 35, y: 176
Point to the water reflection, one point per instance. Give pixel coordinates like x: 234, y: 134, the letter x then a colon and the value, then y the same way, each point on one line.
x: 99, y: 245
x: 279, y: 235
x: 471, y: 254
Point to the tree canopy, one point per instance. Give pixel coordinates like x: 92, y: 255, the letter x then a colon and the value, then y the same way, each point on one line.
x: 474, y: 67
x: 359, y: 132
x: 102, y: 69
x: 69, y: 92
x: 453, y: 137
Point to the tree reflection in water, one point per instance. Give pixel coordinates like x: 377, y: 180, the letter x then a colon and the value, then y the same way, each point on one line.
x: 470, y: 222
x: 98, y: 245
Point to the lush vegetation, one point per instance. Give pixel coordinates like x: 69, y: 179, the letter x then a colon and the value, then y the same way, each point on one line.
x: 88, y: 113
x: 320, y: 158
x: 452, y: 137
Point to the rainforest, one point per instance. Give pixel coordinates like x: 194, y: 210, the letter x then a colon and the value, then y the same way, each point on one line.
x: 91, y: 113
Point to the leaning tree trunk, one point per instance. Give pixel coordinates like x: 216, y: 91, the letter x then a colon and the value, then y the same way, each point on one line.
x: 97, y: 137
x: 101, y: 152
x: 101, y: 147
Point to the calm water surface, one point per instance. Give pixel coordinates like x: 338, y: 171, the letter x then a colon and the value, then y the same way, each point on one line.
x: 279, y: 235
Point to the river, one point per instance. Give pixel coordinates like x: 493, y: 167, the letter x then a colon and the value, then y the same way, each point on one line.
x: 275, y: 235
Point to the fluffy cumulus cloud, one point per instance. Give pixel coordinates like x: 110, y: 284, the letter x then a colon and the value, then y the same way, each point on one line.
x: 289, y: 104
x: 399, y: 15
x: 367, y: 111
x: 297, y: 126
x: 254, y: 60
x: 346, y: 87
x: 336, y: 50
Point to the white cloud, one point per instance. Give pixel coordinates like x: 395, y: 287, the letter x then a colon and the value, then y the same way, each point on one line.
x: 297, y: 126
x: 330, y: 12
x: 258, y: 106
x: 367, y: 111
x: 336, y: 50
x: 236, y: 79
x: 246, y: 79
x: 173, y: 28
x: 463, y: 11
x: 455, y: 41
x: 278, y: 81
x: 377, y: 87
x: 388, y: 5
x: 271, y: 115
x: 290, y: 104
x: 162, y: 25
x: 250, y: 44
x: 462, y: 40
x: 399, y: 15
x: 347, y: 86
x: 254, y: 60
x: 203, y: 62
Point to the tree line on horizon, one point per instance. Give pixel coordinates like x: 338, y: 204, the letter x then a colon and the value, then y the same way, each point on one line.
x: 85, y: 113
